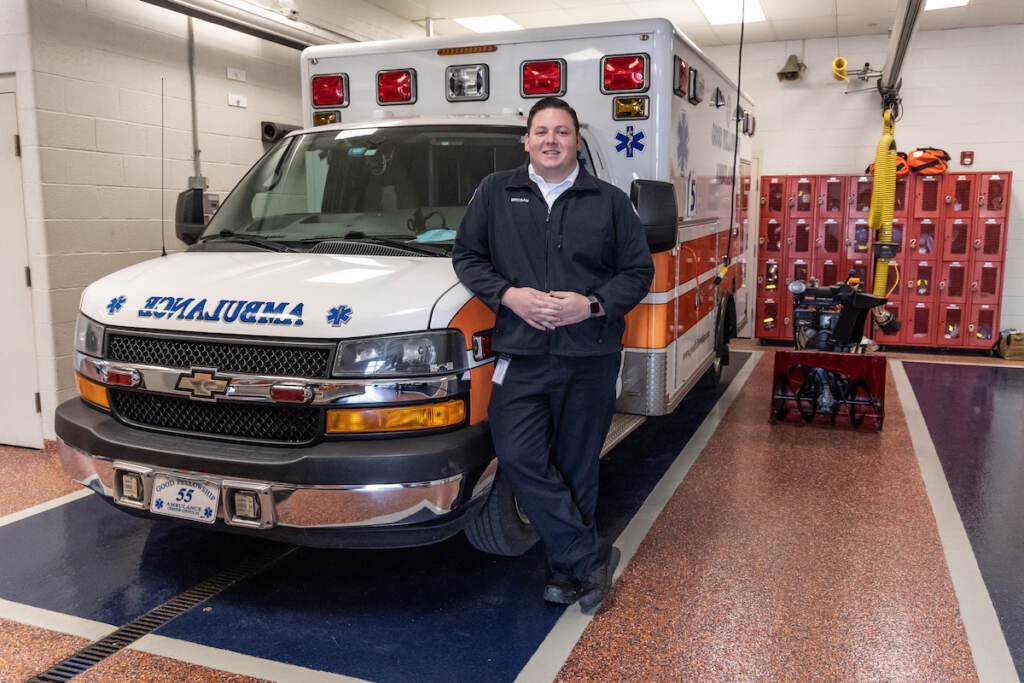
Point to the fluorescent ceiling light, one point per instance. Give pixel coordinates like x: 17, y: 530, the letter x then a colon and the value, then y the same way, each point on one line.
x: 493, y: 22
x: 944, y: 4
x: 719, y: 12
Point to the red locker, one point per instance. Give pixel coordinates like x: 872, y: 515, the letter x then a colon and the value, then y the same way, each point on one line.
x: 983, y: 326
x: 956, y: 239
x: 799, y: 238
x: 986, y: 282
x: 958, y: 195
x: 773, y: 197
x: 953, y: 282
x: 923, y: 238
x: 858, y: 192
x: 831, y: 197
x: 918, y: 329
x: 769, y: 277
x: 798, y: 269
x: 927, y: 197
x: 993, y: 195
x: 859, y: 238
x: 952, y: 325
x: 770, y: 238
x: 989, y: 239
x: 768, y: 322
x: 921, y: 281
x: 801, y: 194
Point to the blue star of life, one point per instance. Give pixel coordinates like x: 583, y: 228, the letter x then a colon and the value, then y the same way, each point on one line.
x: 208, y: 512
x: 115, y: 304
x: 629, y: 141
x: 158, y: 504
x: 339, y: 315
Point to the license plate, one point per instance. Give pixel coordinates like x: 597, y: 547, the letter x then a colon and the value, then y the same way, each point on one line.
x: 193, y: 499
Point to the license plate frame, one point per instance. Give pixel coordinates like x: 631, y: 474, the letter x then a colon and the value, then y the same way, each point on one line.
x: 197, y: 500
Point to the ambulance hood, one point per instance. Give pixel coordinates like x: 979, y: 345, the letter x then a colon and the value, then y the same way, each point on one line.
x: 272, y: 294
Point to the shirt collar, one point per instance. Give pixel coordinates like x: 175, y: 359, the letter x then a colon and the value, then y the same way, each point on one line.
x: 570, y: 179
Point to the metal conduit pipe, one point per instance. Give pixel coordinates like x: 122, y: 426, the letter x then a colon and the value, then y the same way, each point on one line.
x: 254, y: 20
x: 907, y: 14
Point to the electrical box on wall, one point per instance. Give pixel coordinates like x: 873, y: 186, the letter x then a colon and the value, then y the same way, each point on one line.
x: 966, y: 158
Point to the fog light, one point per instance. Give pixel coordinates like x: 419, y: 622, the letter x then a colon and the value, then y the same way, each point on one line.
x: 131, y: 487
x: 247, y: 505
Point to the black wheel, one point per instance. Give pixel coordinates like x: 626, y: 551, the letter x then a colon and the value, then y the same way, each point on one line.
x: 861, y: 403
x: 501, y: 528
x: 712, y: 376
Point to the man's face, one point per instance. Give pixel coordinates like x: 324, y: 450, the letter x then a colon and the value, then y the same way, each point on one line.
x: 552, y: 143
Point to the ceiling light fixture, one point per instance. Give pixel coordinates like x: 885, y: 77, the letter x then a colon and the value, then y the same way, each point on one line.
x: 721, y: 12
x: 944, y: 4
x: 487, y: 24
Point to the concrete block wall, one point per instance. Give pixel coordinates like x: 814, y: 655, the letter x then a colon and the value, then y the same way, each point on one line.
x: 102, y: 154
x: 962, y: 90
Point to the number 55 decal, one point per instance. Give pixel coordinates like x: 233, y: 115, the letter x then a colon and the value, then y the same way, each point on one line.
x: 184, y: 495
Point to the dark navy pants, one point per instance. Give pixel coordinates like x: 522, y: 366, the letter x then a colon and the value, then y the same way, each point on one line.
x: 549, y: 419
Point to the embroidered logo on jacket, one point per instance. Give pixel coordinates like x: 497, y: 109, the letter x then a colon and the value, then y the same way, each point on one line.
x: 524, y: 200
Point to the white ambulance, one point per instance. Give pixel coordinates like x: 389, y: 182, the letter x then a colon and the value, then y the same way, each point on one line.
x: 311, y: 370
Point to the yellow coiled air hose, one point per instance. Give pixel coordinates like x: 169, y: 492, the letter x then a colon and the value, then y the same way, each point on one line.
x: 883, y: 198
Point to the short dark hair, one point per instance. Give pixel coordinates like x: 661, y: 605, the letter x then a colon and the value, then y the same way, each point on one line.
x: 552, y: 103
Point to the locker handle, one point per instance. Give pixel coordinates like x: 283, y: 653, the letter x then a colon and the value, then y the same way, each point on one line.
x: 764, y: 201
x: 977, y: 245
x: 981, y: 200
x: 792, y: 202
x: 789, y: 241
x: 760, y: 241
x: 913, y: 243
x: 821, y: 201
x: 942, y: 285
x: 970, y: 328
x: 949, y: 199
x: 974, y: 287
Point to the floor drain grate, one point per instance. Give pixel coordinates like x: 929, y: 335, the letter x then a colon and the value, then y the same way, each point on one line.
x: 96, y: 652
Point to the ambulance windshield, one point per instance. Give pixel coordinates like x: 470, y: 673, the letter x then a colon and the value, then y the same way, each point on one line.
x: 389, y: 183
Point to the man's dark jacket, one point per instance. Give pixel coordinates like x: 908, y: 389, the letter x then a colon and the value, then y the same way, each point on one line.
x: 590, y: 242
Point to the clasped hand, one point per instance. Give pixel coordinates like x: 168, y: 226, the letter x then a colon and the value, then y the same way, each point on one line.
x: 546, y: 310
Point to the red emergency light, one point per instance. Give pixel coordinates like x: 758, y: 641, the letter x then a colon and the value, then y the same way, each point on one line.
x: 330, y: 90
x: 541, y: 78
x: 625, y: 73
x: 396, y: 87
x: 681, y: 82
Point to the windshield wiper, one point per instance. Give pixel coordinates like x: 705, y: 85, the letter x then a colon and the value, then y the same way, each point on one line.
x: 253, y: 240
x: 404, y: 243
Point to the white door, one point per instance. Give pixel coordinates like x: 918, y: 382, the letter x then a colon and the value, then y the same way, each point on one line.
x: 20, y: 423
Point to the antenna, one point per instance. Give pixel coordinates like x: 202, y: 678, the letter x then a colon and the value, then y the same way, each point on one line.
x: 163, y: 216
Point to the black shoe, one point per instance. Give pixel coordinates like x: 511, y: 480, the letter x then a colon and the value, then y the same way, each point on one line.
x: 595, y: 589
x: 561, y: 590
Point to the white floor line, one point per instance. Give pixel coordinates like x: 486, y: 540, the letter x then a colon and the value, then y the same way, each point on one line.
x: 235, y: 662
x: 184, y: 651
x: 43, y: 507
x: 552, y: 653
x: 54, y: 621
x: 992, y: 657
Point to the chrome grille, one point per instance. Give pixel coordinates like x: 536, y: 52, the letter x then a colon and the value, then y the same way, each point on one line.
x: 239, y: 358
x: 292, y: 425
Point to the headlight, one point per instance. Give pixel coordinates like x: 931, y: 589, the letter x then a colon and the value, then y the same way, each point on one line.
x: 89, y: 336
x: 402, y: 355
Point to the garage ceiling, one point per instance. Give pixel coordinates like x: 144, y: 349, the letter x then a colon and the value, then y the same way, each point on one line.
x: 787, y: 19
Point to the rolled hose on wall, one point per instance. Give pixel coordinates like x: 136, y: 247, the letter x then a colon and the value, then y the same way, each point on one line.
x: 839, y: 69
x: 883, y: 200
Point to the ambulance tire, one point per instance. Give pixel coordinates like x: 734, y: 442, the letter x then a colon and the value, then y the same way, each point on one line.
x: 501, y: 528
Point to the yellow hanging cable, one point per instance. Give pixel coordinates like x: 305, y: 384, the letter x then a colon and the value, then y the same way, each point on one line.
x: 883, y: 198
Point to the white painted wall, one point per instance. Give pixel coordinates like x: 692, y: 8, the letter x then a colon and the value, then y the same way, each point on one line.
x: 962, y: 89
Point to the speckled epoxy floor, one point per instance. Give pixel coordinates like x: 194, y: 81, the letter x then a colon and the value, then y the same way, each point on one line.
x: 787, y: 553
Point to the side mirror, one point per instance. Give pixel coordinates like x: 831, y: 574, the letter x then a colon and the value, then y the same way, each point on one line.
x: 655, y: 202
x: 188, y: 216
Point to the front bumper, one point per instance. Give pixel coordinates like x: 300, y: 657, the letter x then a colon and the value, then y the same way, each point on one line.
x: 366, y: 493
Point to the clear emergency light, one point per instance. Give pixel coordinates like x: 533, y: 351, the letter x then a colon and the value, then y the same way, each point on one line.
x: 625, y: 73
x: 543, y: 78
x: 467, y: 82
x: 396, y: 87
x: 330, y: 90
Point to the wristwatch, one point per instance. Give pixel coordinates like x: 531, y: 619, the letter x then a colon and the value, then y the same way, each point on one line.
x: 595, y: 306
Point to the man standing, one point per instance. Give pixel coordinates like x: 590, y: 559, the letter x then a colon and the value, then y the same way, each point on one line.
x: 561, y: 257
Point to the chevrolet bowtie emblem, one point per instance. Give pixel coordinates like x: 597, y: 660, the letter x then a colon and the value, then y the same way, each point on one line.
x: 203, y: 384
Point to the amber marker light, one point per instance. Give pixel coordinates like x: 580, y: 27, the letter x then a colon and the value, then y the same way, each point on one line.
x: 92, y: 392
x: 396, y: 419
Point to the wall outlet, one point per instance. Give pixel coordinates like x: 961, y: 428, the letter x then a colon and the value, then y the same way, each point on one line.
x: 237, y: 100
x: 236, y: 74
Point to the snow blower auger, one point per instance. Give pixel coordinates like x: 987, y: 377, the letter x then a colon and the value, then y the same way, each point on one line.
x: 829, y: 377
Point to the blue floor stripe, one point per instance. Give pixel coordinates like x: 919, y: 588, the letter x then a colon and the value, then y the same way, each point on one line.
x: 441, y: 613
x: 975, y: 415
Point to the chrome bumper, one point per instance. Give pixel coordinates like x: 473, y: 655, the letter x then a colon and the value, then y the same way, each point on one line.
x: 290, y: 505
